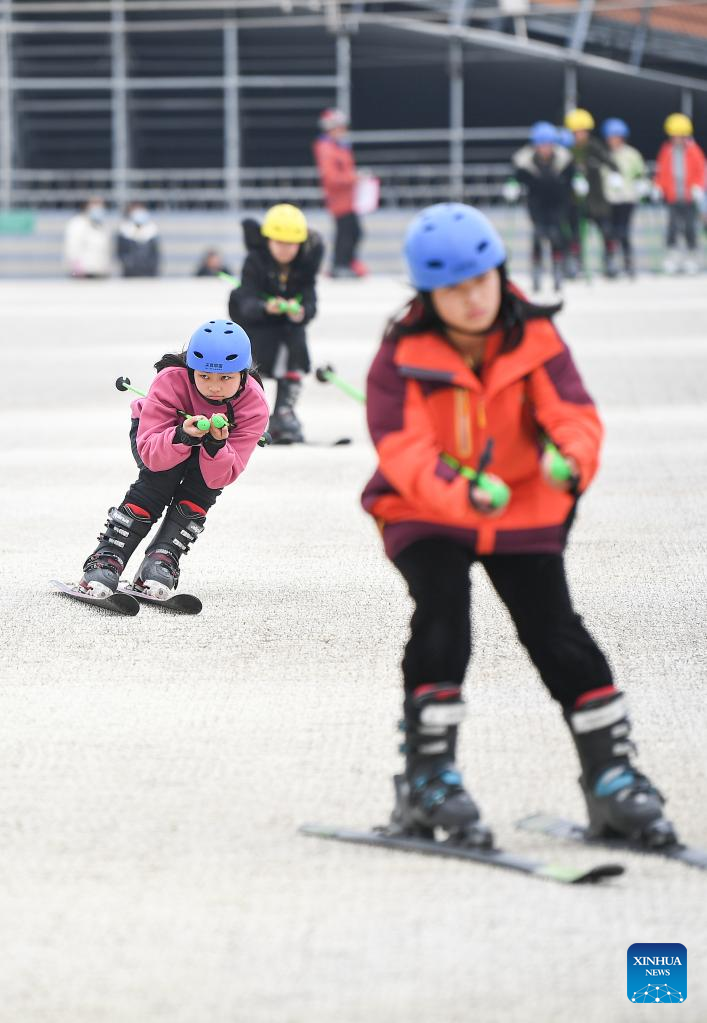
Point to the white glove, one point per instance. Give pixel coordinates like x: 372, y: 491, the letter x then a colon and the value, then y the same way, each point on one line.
x: 511, y: 191
x: 615, y: 180
x: 656, y: 193
x: 697, y: 193
x: 580, y: 186
x: 643, y: 188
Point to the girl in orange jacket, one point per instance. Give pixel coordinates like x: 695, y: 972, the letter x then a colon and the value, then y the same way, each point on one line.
x: 474, y: 402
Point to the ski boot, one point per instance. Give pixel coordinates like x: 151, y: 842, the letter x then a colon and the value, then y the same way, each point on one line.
x: 284, y: 426
x: 430, y: 794
x: 621, y: 802
x: 671, y: 261
x: 125, y: 528
x: 158, y: 574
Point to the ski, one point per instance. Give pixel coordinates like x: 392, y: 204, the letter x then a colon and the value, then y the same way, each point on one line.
x: 179, y: 603
x: 382, y: 838
x: 119, y: 603
x: 558, y: 827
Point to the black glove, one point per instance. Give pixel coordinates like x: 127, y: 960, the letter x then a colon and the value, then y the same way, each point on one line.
x: 211, y: 445
x: 180, y: 437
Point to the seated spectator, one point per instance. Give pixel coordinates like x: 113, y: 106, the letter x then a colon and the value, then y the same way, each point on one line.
x: 212, y: 265
x: 87, y: 242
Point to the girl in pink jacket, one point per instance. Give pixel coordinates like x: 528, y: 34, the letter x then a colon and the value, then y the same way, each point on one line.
x: 182, y: 468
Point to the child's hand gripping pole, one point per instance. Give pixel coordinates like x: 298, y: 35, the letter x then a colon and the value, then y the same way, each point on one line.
x: 497, y: 492
x: 560, y: 470
x: 326, y: 375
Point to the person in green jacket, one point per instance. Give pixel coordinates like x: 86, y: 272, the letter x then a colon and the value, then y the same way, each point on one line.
x: 624, y: 188
x: 592, y: 159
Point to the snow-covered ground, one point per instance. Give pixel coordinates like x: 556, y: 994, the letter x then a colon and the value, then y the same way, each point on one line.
x: 154, y: 771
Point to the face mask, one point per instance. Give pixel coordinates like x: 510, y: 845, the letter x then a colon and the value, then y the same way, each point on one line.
x: 96, y: 214
x: 139, y: 217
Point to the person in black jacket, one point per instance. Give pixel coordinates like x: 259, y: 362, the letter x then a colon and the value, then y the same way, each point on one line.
x: 546, y: 170
x: 137, y: 243
x: 275, y: 301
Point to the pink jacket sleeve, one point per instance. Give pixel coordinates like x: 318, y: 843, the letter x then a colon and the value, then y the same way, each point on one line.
x: 158, y: 422
x: 229, y: 461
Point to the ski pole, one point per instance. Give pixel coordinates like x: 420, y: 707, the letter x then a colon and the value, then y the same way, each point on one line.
x: 228, y: 278
x: 218, y: 421
x: 326, y: 375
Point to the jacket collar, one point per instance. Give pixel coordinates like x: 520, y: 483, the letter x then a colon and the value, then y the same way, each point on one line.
x: 429, y: 357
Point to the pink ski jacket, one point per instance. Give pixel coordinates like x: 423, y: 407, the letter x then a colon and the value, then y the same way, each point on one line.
x: 172, y: 390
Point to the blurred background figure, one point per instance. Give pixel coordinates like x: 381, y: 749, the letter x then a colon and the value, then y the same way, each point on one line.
x: 338, y: 177
x: 137, y: 245
x: 212, y: 265
x: 87, y: 241
x: 680, y: 181
x: 545, y: 169
x: 274, y: 302
x: 591, y: 158
x: 624, y: 189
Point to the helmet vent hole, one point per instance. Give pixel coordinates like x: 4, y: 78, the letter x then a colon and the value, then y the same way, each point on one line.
x: 459, y: 216
x: 229, y: 358
x: 429, y: 227
x: 435, y: 264
x: 212, y: 321
x: 198, y: 355
x: 207, y: 331
x: 482, y: 245
x: 228, y: 331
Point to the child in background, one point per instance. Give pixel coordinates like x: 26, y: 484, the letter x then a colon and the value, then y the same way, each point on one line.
x: 275, y: 301
x: 625, y: 188
x: 546, y: 170
x: 680, y: 181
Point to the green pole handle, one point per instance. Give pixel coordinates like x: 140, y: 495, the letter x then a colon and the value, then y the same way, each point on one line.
x: 560, y: 468
x: 218, y: 421
x: 203, y: 423
x: 229, y: 278
x: 498, y: 491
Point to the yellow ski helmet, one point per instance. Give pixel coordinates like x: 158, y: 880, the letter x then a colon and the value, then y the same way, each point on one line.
x: 285, y: 223
x: 678, y: 126
x: 579, y: 120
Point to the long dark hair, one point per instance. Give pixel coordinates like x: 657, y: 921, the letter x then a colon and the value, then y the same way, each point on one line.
x: 419, y: 316
x: 169, y: 360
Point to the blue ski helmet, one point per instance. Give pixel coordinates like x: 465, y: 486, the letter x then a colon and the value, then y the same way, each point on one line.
x: 614, y: 126
x: 448, y: 242
x: 565, y: 138
x: 542, y: 133
x: 219, y: 346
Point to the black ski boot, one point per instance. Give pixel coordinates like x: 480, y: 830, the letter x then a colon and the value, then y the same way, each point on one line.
x: 158, y: 574
x: 431, y: 794
x: 125, y: 528
x: 621, y: 801
x: 285, y: 427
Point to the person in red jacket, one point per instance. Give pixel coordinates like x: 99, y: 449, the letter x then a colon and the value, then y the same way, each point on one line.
x: 486, y: 437
x: 337, y: 173
x: 680, y: 180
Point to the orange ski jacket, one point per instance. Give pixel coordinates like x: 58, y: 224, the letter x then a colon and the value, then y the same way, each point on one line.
x: 694, y: 170
x: 423, y: 400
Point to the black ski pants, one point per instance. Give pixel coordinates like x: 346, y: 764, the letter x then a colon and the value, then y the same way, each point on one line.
x: 621, y: 214
x: 682, y: 223
x: 154, y: 491
x: 533, y: 588
x: 346, y: 240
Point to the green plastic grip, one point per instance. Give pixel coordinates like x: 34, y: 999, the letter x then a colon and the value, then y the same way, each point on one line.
x: 560, y: 468
x: 203, y: 423
x: 498, y: 491
x: 218, y: 421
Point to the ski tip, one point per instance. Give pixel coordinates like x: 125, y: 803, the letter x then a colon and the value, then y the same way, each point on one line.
x: 342, y: 441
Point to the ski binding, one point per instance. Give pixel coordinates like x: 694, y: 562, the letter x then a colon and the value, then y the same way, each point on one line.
x: 119, y: 602
x: 180, y: 603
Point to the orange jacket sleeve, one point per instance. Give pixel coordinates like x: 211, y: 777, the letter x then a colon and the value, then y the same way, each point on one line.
x: 334, y: 171
x: 565, y: 411
x: 404, y: 437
